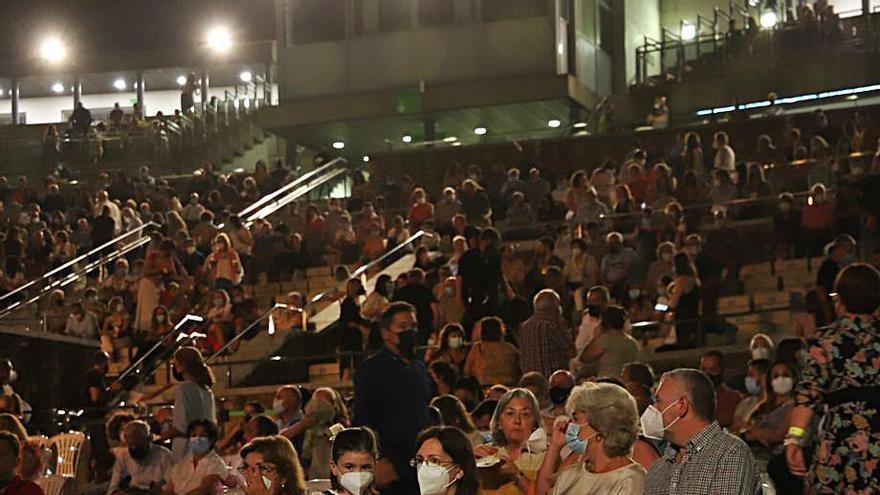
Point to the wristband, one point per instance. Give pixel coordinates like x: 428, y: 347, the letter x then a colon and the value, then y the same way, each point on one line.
x: 796, y: 432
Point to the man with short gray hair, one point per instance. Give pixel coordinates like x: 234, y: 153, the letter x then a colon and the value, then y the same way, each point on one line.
x: 702, y: 458
x: 142, y: 466
x: 545, y: 340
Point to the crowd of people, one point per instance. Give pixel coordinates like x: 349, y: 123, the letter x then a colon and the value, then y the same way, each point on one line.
x: 506, y: 360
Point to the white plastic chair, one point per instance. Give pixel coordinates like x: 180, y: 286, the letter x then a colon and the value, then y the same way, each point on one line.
x: 71, y: 452
x: 54, y: 484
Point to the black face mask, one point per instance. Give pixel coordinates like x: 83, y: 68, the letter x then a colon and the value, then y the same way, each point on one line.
x: 138, y: 453
x: 406, y: 343
x: 558, y: 395
x: 594, y: 310
x: 177, y: 375
x: 716, y: 380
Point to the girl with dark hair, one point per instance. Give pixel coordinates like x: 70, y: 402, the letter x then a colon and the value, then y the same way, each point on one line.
x: 380, y: 298
x: 354, y: 454
x: 453, y: 412
x: 452, y: 347
x: 766, y: 425
x: 445, y: 463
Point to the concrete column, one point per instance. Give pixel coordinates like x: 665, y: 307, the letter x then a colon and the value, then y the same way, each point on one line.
x: 15, y: 99
x: 204, y: 89
x: 370, y: 19
x: 140, y: 89
x: 430, y: 128
x: 77, y: 91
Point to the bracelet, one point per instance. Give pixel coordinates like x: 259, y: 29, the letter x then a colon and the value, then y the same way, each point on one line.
x: 796, y: 432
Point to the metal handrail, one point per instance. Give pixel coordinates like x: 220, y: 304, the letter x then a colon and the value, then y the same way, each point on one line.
x: 296, y: 194
x: 180, y: 325
x: 363, y: 269
x: 70, y: 278
x: 78, y: 259
x: 303, y: 178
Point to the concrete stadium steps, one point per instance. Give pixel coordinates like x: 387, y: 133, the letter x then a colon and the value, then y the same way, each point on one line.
x: 263, y: 346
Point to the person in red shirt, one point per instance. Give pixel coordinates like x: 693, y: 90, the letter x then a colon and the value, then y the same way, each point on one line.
x: 726, y: 398
x: 10, y: 456
x: 421, y: 208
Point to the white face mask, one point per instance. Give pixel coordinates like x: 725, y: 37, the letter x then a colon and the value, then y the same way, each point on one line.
x: 652, y: 421
x: 278, y: 406
x: 634, y: 293
x: 537, y: 442
x: 356, y: 482
x: 433, y: 480
x: 782, y: 385
x: 760, y: 353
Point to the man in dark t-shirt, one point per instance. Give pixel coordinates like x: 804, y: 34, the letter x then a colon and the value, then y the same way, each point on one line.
x: 422, y: 298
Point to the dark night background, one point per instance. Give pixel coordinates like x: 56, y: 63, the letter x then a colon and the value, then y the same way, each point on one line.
x: 95, y: 25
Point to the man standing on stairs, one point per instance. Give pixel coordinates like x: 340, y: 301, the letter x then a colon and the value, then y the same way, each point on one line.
x: 391, y: 393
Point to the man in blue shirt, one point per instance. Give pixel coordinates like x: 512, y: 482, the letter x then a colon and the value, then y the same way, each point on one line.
x: 392, y: 389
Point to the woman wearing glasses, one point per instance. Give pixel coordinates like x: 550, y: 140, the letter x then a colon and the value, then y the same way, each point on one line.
x: 271, y: 467
x: 445, y: 463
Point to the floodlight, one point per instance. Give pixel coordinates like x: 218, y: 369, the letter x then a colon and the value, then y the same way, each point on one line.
x: 246, y: 76
x: 338, y: 145
x: 219, y: 39
x: 52, y: 50
x: 688, y: 31
x: 480, y: 131
x: 768, y: 19
x: 554, y: 123
x: 119, y: 84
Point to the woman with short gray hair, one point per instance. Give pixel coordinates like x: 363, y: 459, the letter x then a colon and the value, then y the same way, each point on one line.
x: 518, y: 445
x: 604, y: 427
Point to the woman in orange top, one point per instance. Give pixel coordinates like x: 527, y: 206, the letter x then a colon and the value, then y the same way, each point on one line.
x: 421, y: 209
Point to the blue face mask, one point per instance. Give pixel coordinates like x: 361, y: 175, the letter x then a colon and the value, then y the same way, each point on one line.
x: 752, y: 386
x: 199, y: 445
x: 576, y: 445
x: 486, y: 436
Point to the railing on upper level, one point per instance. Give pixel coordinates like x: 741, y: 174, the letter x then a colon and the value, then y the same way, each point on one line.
x: 675, y: 54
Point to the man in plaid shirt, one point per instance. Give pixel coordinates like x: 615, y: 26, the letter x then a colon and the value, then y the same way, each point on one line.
x: 545, y: 340
x: 702, y: 458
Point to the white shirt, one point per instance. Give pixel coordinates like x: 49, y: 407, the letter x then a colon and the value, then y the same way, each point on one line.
x: 576, y: 479
x: 185, y: 476
x: 142, y: 473
x: 725, y: 159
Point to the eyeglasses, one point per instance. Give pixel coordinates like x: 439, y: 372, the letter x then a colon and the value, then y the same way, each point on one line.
x: 263, y: 467
x: 431, y: 462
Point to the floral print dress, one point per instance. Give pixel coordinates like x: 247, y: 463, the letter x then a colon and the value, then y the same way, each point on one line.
x: 844, y: 355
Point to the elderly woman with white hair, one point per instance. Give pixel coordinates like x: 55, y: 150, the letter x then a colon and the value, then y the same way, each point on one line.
x: 603, y: 429
x: 509, y: 464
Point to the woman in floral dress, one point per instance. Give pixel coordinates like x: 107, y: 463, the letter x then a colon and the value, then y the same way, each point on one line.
x: 841, y: 381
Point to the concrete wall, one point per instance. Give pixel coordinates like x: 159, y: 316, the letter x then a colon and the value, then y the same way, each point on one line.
x: 641, y: 18
x: 673, y: 11
x: 434, y: 55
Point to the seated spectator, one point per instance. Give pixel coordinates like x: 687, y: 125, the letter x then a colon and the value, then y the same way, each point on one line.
x: 520, y: 213
x: 468, y: 391
x: 353, y: 460
x: 638, y: 379
x: 143, y: 466
x: 756, y: 389
x: 817, y: 219
x: 518, y: 443
x: 637, y: 304
x: 703, y: 458
x: 11, y: 453
x: 115, y: 329
x: 56, y: 314
x: 444, y: 376
x: 421, y: 208
x: 223, y: 265
x: 612, y: 346
x: 449, y: 301
x: 454, y: 414
x: 618, y: 265
x: 538, y: 385
x: 582, y: 268
x: 726, y: 398
x: 271, y: 467
x: 452, y: 347
x: 290, y: 318
x: 491, y: 359
x: 660, y: 267
x: 601, y: 433
x: 445, y: 463
x: 445, y: 210
x: 761, y: 346
x: 81, y: 323
x: 768, y: 422
x: 591, y: 209
x: 202, y: 469
x: 841, y: 253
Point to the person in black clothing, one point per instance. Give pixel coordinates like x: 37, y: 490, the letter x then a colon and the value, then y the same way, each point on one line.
x: 81, y: 119
x: 351, y: 326
x: 840, y: 254
x: 97, y: 398
x: 103, y: 227
x: 422, y: 298
x: 480, y: 277
x: 391, y: 393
